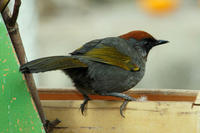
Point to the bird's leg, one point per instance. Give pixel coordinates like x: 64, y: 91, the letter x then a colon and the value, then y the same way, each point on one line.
x: 121, y: 95
x: 82, y: 107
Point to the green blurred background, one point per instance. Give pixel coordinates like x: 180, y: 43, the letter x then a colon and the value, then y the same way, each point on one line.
x: 57, y: 27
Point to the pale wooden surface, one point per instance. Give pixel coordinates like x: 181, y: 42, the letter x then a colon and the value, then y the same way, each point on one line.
x: 141, y: 117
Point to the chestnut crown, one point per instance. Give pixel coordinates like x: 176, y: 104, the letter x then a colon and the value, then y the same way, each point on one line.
x: 145, y: 40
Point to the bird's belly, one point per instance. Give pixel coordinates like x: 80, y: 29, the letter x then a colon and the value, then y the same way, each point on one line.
x: 101, y: 78
x: 113, y: 79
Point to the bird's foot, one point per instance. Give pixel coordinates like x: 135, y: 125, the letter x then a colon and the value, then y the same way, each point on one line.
x: 122, y: 107
x: 83, y: 105
x: 126, y: 98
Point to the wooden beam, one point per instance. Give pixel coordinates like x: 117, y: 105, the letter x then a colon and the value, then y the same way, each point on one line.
x: 151, y: 94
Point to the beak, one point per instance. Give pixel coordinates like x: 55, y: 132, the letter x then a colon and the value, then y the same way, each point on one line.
x: 159, y: 42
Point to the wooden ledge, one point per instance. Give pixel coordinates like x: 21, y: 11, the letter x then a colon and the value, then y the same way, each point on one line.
x: 156, y: 116
x: 151, y: 94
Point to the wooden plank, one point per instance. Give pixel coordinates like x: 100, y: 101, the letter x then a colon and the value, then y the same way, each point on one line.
x: 151, y: 94
x: 140, y: 117
x: 196, y: 105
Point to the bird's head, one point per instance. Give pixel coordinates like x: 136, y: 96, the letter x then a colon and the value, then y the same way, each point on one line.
x: 143, y: 39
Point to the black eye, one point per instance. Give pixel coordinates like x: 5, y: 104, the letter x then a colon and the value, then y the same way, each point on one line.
x: 142, y: 42
x: 148, y: 41
x: 145, y: 42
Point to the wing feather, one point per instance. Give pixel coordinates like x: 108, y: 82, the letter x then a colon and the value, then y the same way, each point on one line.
x: 110, y: 55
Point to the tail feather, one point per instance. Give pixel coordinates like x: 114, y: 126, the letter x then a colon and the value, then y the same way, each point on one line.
x: 51, y: 63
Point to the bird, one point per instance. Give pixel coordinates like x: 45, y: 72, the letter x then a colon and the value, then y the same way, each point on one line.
x: 106, y: 67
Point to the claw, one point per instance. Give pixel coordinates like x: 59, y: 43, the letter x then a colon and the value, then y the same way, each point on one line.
x: 83, y: 105
x: 126, y: 98
x: 122, y: 107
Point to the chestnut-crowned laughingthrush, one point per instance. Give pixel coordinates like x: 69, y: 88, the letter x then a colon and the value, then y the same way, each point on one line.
x: 106, y: 67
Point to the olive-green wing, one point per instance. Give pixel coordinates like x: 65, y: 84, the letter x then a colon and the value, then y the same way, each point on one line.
x: 110, y: 55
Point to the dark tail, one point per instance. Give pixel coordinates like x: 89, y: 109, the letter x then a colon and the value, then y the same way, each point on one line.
x: 51, y: 63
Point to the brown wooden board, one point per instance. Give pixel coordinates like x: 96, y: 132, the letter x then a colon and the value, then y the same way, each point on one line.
x: 151, y: 94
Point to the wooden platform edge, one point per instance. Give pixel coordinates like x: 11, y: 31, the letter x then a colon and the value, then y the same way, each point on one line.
x: 196, y: 105
x: 140, y: 117
x: 151, y: 94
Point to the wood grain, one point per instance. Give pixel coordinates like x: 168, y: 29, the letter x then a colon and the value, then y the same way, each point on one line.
x: 163, y: 113
x: 140, y: 117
